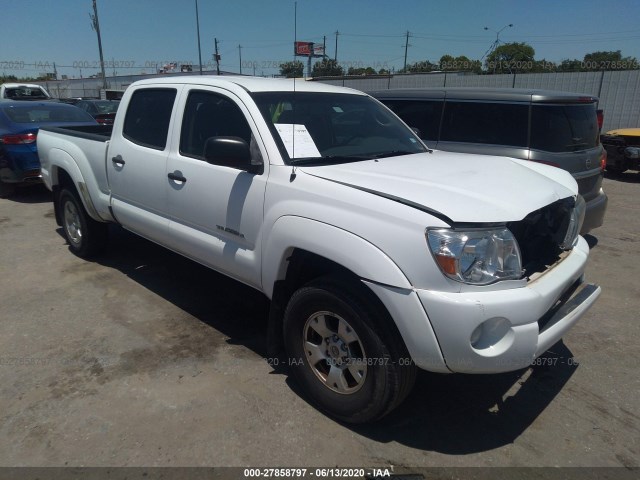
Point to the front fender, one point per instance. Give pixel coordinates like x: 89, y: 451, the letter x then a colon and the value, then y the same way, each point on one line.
x: 340, y: 246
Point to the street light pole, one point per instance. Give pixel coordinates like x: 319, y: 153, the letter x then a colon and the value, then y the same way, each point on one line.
x: 496, y: 43
x: 198, y: 30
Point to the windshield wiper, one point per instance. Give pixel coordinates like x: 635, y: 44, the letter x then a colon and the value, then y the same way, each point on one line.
x: 392, y: 153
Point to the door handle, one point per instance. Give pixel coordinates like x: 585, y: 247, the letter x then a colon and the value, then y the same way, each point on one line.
x: 118, y: 160
x: 176, y: 177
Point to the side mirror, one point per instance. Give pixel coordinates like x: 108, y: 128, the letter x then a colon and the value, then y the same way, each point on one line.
x: 231, y: 152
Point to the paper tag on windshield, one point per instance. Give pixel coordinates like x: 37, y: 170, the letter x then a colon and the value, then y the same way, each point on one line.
x: 297, y: 140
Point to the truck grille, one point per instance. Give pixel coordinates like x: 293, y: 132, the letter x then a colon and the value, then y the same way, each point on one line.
x: 541, y: 233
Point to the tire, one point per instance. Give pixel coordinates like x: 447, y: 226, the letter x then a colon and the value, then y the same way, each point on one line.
x: 344, y: 353
x: 85, y: 236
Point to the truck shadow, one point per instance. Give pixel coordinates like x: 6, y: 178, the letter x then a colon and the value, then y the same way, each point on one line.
x: 453, y: 414
x: 233, y: 309
x: 37, y: 193
x: 461, y: 414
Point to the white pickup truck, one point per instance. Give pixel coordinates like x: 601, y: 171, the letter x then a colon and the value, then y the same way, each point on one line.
x: 378, y: 254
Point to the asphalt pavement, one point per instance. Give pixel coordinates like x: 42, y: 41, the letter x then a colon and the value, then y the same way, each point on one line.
x: 144, y: 358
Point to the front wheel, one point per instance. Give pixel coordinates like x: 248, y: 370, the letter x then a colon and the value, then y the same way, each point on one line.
x: 344, y: 353
x: 86, y: 237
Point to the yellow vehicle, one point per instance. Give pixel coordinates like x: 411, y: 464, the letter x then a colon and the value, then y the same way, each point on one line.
x: 623, y: 149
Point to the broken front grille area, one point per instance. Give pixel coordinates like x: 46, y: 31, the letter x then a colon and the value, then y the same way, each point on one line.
x: 540, y: 235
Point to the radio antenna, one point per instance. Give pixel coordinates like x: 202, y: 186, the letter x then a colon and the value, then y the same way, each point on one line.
x: 292, y: 177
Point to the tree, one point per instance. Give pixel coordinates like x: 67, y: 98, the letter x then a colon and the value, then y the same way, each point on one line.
x: 419, y: 67
x: 449, y: 63
x: 292, y: 69
x: 513, y: 57
x: 361, y: 71
x: 8, y: 78
x: 608, y: 61
x: 327, y: 68
x: 568, y: 65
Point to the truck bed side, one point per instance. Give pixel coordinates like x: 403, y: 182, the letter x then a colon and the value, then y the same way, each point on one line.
x: 81, y: 152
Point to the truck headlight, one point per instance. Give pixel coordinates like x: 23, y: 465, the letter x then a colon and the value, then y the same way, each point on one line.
x: 575, y: 224
x: 477, y: 257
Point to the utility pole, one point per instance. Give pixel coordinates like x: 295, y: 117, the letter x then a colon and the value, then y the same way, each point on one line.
x: 335, y: 56
x: 217, y: 56
x: 324, y: 47
x: 96, y: 26
x: 198, y: 30
x: 240, y: 54
x: 406, y: 50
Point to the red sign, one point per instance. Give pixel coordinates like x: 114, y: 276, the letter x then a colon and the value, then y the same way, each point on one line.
x: 303, y: 48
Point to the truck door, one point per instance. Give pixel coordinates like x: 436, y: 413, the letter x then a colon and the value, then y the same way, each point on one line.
x: 137, y: 162
x: 216, y: 211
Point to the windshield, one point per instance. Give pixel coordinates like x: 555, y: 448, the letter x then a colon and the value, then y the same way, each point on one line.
x: 323, y: 128
x: 51, y: 113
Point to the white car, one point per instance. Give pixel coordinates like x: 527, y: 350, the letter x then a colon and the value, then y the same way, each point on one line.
x: 23, y: 91
x: 378, y: 254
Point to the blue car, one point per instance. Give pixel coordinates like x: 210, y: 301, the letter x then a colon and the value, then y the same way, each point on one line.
x: 19, y: 124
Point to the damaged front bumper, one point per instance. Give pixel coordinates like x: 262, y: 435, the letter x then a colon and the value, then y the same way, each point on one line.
x: 504, y: 330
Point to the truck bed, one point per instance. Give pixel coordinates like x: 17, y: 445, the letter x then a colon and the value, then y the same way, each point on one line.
x: 100, y: 133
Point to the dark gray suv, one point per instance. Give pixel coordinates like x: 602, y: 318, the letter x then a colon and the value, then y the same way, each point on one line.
x: 555, y: 128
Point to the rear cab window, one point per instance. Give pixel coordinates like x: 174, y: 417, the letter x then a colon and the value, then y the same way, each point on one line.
x: 146, y: 122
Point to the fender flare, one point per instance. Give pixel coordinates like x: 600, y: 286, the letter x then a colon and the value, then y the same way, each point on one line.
x: 338, y: 245
x: 59, y: 159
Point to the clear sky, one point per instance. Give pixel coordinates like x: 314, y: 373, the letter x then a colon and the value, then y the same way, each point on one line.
x: 138, y: 34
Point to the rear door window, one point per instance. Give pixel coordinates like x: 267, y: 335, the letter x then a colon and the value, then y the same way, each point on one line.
x: 421, y: 114
x: 485, y: 123
x: 564, y: 128
x: 148, y: 116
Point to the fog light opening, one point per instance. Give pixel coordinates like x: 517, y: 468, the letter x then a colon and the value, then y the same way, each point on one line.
x: 492, y: 337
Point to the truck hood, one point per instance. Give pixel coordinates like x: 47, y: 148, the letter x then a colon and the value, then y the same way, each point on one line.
x: 458, y: 188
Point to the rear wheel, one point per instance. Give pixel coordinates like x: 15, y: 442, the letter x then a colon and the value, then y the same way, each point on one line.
x: 342, y: 351
x: 85, y: 236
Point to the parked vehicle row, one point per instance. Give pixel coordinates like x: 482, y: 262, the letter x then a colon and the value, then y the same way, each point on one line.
x: 378, y: 254
x: 19, y: 125
x: 23, y: 109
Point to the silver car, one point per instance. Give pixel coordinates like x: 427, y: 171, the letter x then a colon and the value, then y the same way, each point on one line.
x: 555, y: 128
